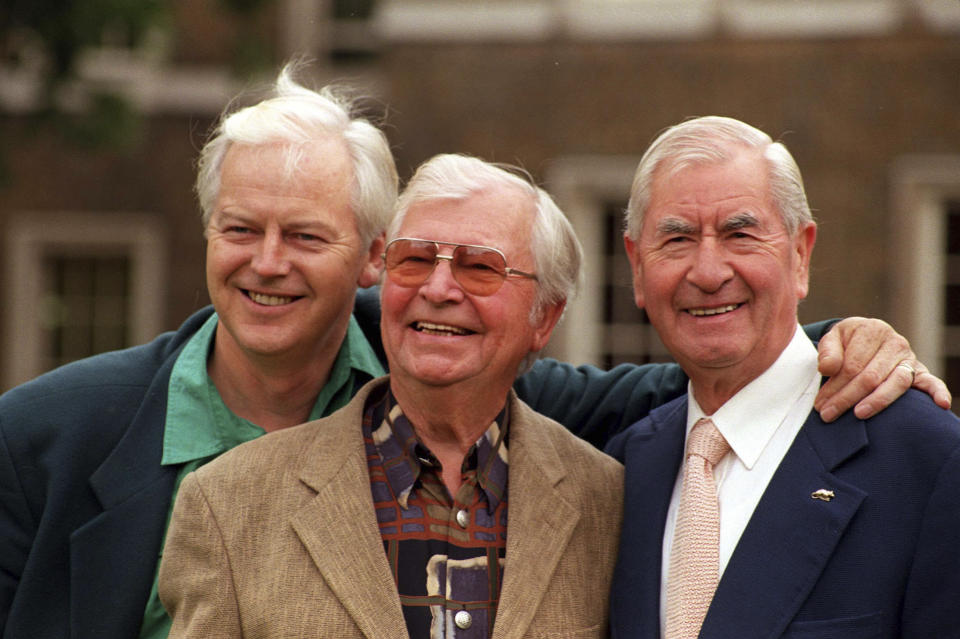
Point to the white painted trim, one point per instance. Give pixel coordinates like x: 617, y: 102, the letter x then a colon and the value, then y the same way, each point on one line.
x: 32, y: 235
x: 581, y: 185
x: 919, y: 185
x: 538, y: 20
x: 811, y: 18
x: 639, y: 19
x: 942, y: 16
x: 459, y: 21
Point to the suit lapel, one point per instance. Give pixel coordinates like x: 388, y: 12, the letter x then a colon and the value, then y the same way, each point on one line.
x: 652, y: 457
x: 540, y: 524
x: 123, y: 542
x: 790, y: 536
x: 339, y: 527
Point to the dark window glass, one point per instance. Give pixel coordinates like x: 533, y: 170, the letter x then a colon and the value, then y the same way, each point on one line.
x: 85, y: 306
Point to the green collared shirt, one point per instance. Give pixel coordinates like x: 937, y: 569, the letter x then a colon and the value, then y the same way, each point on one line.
x: 199, y: 426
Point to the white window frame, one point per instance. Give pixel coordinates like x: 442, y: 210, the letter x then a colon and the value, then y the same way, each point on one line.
x: 581, y: 186
x: 32, y: 235
x: 920, y: 184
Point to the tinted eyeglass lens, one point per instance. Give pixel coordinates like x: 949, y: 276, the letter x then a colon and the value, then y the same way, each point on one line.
x: 479, y: 270
x: 410, y: 263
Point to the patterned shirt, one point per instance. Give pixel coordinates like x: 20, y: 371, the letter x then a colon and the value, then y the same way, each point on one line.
x: 446, y: 553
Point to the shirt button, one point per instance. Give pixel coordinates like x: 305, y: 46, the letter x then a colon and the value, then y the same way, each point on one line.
x: 463, y: 518
x: 463, y: 618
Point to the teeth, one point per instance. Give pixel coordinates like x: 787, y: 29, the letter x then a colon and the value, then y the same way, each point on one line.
x: 703, y: 312
x: 269, y: 300
x: 439, y: 329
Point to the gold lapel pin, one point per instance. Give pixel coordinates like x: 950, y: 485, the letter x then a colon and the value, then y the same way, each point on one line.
x: 823, y: 494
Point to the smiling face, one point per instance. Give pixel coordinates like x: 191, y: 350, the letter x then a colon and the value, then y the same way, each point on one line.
x: 718, y: 273
x: 284, y: 256
x: 437, y: 334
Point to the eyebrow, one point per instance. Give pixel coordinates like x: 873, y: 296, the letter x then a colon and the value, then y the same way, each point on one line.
x: 742, y: 220
x: 671, y: 225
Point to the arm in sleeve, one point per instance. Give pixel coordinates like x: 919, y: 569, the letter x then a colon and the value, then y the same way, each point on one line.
x: 196, y: 580
x: 595, y: 404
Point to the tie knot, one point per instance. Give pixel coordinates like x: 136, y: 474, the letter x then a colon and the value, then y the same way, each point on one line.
x: 706, y: 441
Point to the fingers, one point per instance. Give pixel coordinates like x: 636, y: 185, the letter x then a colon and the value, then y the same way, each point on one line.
x: 869, y: 351
x: 830, y: 354
x: 895, y: 385
x: 932, y: 386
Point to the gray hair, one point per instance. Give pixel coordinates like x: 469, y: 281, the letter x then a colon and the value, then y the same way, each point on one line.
x: 714, y: 139
x: 556, y: 250
x: 295, y: 116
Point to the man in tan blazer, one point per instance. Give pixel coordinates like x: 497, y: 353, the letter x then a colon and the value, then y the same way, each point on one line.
x: 403, y: 514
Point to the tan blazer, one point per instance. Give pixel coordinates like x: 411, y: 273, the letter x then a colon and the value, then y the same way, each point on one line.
x: 279, y: 538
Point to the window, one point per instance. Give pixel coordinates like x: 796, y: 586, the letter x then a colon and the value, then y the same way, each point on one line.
x: 925, y: 264
x: 602, y: 326
x: 79, y: 284
x: 951, y: 342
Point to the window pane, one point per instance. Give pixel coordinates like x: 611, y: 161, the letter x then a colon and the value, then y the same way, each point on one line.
x: 85, y: 306
x: 627, y: 333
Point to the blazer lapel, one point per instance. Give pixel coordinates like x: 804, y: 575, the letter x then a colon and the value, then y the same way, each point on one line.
x: 791, y: 535
x: 540, y: 523
x: 123, y: 542
x: 652, y: 457
x: 339, y: 527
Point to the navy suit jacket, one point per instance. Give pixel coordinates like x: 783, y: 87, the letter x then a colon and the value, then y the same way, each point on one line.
x: 880, y: 559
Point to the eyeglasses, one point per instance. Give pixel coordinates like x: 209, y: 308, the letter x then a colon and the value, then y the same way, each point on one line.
x: 480, y: 270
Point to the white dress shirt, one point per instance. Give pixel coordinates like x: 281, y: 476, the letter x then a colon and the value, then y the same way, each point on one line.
x: 760, y: 423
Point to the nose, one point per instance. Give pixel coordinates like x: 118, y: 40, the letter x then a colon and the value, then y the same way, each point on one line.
x: 710, y: 269
x: 270, y: 257
x: 441, y: 286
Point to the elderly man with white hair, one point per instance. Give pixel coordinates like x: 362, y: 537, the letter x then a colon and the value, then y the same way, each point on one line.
x: 404, y: 515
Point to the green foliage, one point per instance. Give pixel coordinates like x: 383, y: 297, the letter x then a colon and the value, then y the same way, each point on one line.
x: 61, y: 29
x: 109, y: 121
x: 55, y: 33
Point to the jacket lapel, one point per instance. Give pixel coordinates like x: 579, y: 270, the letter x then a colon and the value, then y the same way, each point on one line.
x: 791, y: 535
x: 540, y: 523
x: 124, y: 541
x: 339, y: 527
x: 652, y: 455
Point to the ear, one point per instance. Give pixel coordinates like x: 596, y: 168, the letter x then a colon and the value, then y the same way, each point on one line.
x: 543, y: 327
x: 636, y: 268
x: 806, y: 238
x: 372, y: 264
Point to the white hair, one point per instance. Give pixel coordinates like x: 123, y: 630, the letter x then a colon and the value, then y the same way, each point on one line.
x: 295, y: 116
x: 556, y: 251
x: 714, y: 139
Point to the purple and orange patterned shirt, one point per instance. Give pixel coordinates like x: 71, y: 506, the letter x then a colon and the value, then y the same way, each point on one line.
x: 446, y: 553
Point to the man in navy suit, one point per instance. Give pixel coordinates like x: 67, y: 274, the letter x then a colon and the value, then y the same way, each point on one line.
x: 847, y: 530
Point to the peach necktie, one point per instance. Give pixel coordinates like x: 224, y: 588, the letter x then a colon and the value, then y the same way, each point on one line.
x: 695, y: 555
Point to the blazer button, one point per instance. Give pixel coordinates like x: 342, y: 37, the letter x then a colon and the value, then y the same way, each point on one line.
x: 463, y: 518
x: 463, y: 619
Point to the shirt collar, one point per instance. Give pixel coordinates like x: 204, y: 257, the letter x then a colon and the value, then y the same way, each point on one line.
x: 404, y: 456
x: 199, y: 425
x: 750, y: 418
